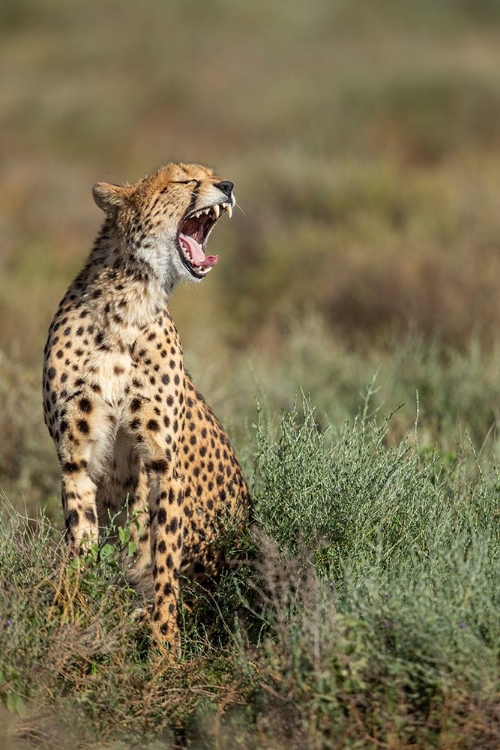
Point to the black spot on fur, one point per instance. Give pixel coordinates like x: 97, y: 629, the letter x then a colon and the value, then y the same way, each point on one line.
x: 72, y: 519
x: 85, y: 405
x: 83, y: 426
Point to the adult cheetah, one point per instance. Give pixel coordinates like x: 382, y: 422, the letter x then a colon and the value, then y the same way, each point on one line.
x: 132, y: 434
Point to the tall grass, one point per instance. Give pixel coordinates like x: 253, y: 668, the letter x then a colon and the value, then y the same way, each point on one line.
x: 364, y: 611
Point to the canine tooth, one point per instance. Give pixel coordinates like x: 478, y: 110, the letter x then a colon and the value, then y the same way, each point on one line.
x: 216, y: 211
x: 229, y: 209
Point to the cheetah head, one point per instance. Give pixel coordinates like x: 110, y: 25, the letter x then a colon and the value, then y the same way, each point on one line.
x: 165, y: 219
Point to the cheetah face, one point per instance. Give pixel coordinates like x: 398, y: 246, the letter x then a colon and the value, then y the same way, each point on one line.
x: 166, y: 218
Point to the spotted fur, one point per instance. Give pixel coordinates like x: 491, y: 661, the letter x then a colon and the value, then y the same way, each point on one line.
x: 133, y: 436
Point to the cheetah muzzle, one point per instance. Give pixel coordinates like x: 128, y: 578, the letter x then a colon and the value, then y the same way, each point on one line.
x: 136, y: 441
x: 193, y: 235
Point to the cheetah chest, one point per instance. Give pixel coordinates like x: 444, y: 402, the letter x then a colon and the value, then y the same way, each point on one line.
x: 112, y: 373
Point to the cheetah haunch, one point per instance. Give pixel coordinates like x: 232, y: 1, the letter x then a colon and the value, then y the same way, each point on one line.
x: 132, y: 434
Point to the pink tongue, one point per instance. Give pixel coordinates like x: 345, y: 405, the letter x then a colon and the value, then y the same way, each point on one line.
x: 195, y: 252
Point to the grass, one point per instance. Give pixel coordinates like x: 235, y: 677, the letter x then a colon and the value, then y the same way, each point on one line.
x: 365, y: 612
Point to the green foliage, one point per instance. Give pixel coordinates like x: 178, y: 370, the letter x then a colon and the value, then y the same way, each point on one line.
x: 9, y: 691
x: 380, y: 578
x: 365, y: 600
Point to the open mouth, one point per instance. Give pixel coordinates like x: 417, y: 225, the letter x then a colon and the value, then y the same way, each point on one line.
x: 193, y: 235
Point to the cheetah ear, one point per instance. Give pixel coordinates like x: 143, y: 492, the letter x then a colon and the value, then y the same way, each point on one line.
x: 109, y: 197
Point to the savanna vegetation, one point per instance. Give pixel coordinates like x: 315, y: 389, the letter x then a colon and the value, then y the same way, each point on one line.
x: 348, y: 339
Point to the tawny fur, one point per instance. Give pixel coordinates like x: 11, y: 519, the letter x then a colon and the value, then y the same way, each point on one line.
x: 132, y: 434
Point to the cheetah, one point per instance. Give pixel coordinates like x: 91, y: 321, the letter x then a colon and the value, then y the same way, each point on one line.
x: 133, y: 436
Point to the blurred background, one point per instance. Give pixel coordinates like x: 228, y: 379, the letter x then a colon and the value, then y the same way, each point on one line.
x: 364, y: 143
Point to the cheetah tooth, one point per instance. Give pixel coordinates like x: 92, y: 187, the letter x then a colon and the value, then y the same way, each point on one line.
x: 216, y: 210
x: 229, y: 209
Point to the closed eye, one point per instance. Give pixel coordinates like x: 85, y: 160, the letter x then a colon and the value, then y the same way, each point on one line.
x: 182, y: 182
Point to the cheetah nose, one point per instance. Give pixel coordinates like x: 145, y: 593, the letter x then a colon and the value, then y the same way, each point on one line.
x: 226, y: 187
